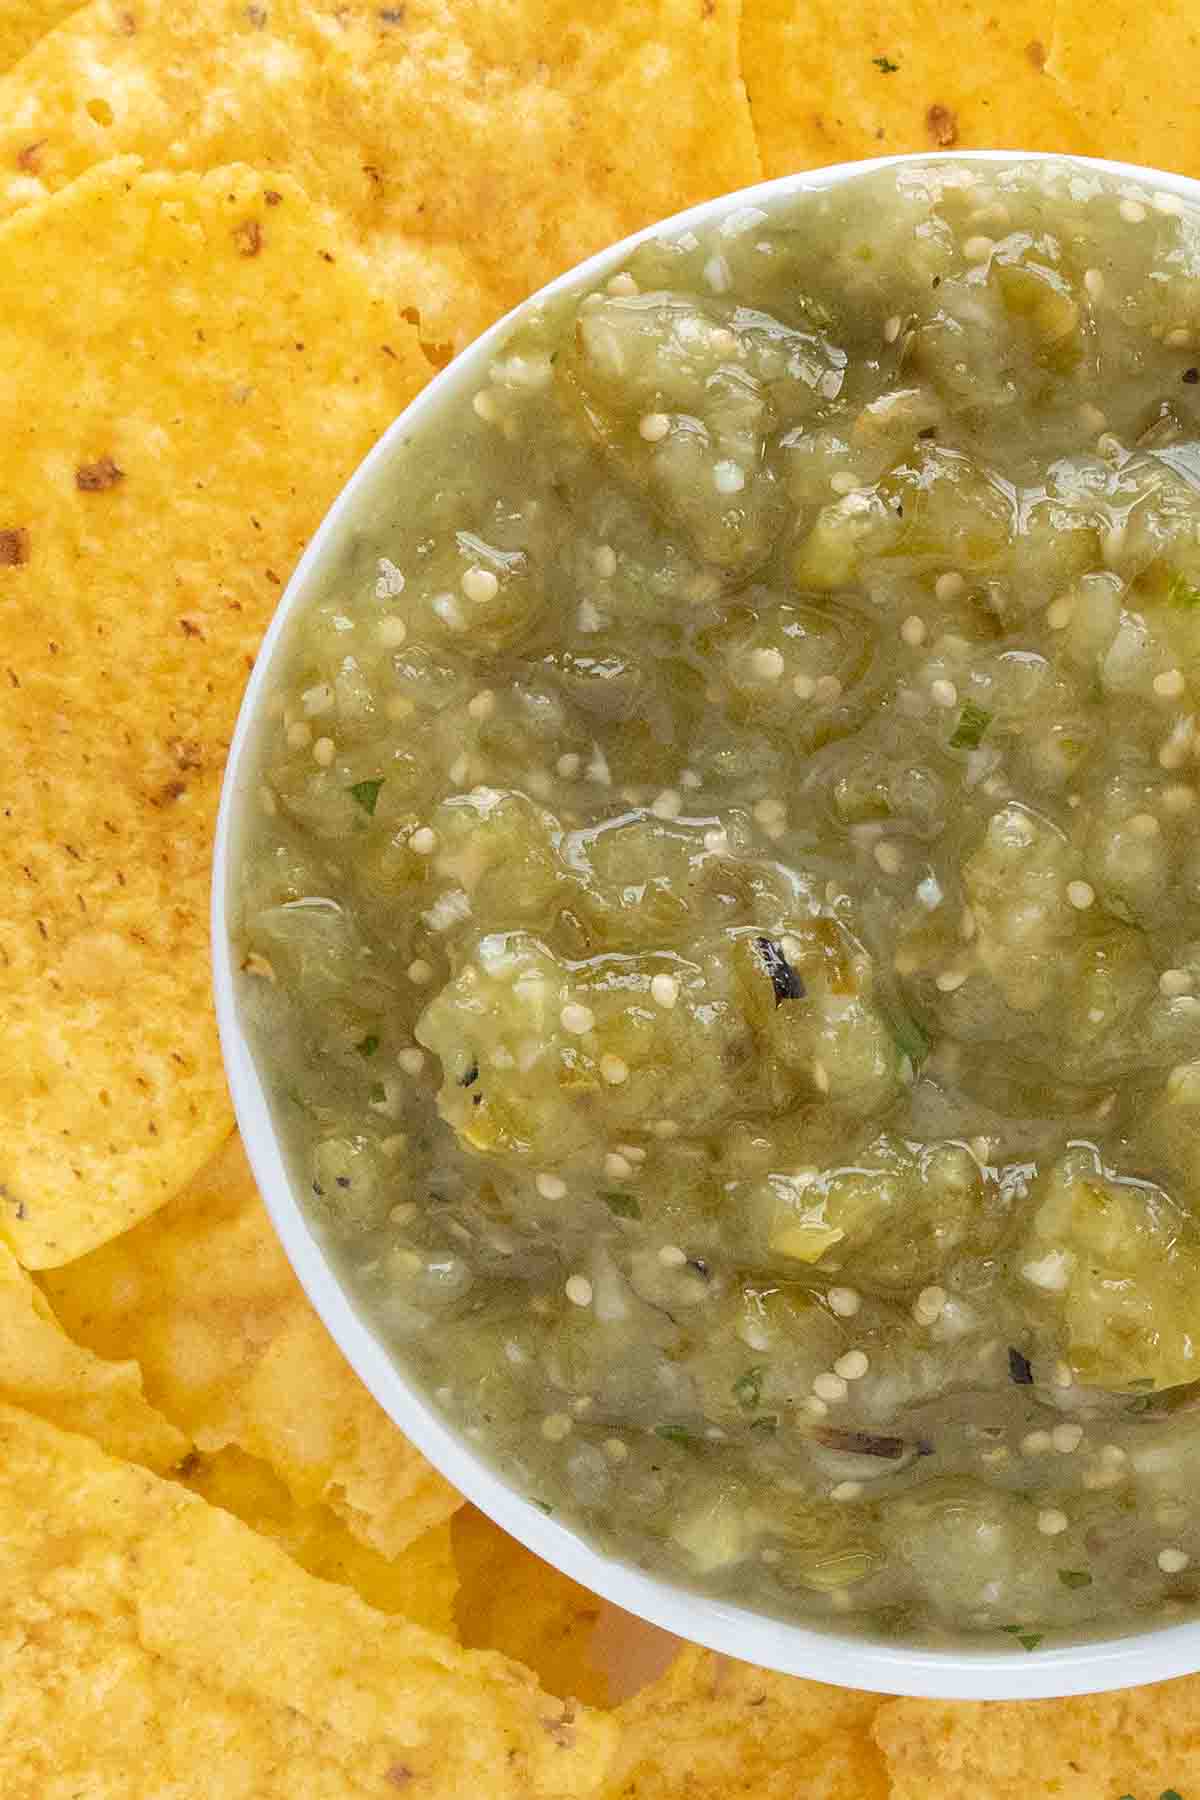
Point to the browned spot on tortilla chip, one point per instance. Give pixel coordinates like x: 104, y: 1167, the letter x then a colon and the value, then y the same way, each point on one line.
x: 248, y: 237
x: 94, y: 478
x: 942, y: 125
x: 14, y: 547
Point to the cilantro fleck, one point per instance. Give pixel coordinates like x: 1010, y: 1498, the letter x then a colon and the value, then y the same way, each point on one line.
x: 676, y: 1434
x: 973, y: 721
x: 624, y: 1205
x: 378, y: 1092
x: 369, y: 1045
x: 910, y: 1038
x: 544, y: 1506
x: 1143, y: 1381
x: 1181, y: 592
x: 885, y: 65
x: 367, y: 793
x: 768, y: 1424
x: 1029, y: 1640
x: 1075, y: 1578
x: 747, y: 1389
x: 1169, y: 1794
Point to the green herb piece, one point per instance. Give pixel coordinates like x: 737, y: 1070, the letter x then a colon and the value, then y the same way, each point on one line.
x: 1170, y: 1794
x: 973, y: 721
x: 910, y: 1038
x: 544, y: 1506
x: 747, y: 1389
x: 378, y: 1092
x: 1143, y: 1381
x: 676, y: 1434
x: 626, y: 1206
x: 1029, y: 1640
x: 1180, y: 592
x: 885, y: 65
x: 1075, y: 1578
x: 768, y: 1424
x: 368, y: 1045
x: 366, y: 793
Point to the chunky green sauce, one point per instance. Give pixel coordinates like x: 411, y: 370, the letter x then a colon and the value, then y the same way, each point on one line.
x: 722, y: 910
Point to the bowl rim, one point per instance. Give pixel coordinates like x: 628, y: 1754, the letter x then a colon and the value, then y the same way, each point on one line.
x: 826, y: 1655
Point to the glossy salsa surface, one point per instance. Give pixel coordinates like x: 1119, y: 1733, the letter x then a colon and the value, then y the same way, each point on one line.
x: 720, y: 912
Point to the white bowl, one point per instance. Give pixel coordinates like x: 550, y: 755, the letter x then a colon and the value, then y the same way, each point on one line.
x: 819, y: 1653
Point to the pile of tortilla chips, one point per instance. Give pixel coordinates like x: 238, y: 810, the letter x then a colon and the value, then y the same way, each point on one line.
x: 235, y: 239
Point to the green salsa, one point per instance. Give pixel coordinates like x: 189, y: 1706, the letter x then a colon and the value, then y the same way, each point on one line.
x: 721, y: 906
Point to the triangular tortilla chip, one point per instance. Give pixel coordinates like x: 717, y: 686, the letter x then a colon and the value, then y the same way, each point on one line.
x: 190, y: 367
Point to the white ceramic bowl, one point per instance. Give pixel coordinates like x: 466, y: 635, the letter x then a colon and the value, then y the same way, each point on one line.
x: 821, y: 1654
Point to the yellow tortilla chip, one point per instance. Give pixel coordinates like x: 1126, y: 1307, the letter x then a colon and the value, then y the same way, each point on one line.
x: 830, y: 83
x: 711, y: 1728
x: 41, y: 1369
x: 151, y: 1644
x: 421, y: 1582
x: 511, y: 1600
x: 473, y: 150
x: 1144, y: 1742
x: 231, y: 1351
x: 23, y: 22
x: 189, y: 370
x: 1128, y: 82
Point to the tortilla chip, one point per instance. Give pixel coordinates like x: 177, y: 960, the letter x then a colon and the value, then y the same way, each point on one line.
x: 474, y: 150
x: 231, y: 1351
x: 830, y: 83
x: 1127, y: 83
x: 41, y: 1369
x: 150, y: 1643
x: 420, y: 1583
x: 1144, y: 1742
x: 23, y: 22
x: 711, y: 1728
x: 180, y: 400
x: 511, y: 1600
